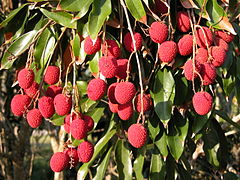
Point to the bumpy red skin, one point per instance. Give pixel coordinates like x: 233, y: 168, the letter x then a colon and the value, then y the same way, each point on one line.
x: 53, y: 90
x: 137, y: 135
x: 62, y: 104
x: 67, y: 120
x: 108, y: 66
x: 228, y: 37
x: 52, y: 75
x: 188, y: 70
x: 46, y: 106
x: 25, y: 78
x: 85, y: 151
x: 91, y: 47
x: 59, y: 161
x: 218, y: 54
x: 146, y: 103
x: 158, y: 32
x: 113, y: 107
x: 129, y: 44
x: 201, y: 55
x: 110, y: 48
x: 208, y: 73
x: 122, y: 68
x: 89, y: 121
x: 183, y: 21
x: 125, y: 111
x: 185, y: 45
x: 73, y: 156
x: 78, y: 128
x: 34, y: 118
x: 111, y: 93
x: 32, y: 90
x: 19, y: 104
x: 167, y: 51
x: 220, y: 42
x: 200, y: 38
x: 96, y: 89
x: 124, y: 92
x: 202, y: 103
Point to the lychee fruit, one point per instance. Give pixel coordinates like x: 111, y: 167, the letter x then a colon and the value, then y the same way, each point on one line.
x: 183, y: 21
x: 167, y: 51
x: 146, y: 103
x: 108, y: 66
x: 122, y: 68
x: 96, y: 89
x: 32, y: 90
x: 52, y: 75
x: 25, y: 78
x: 73, y: 156
x: 188, y: 70
x: 113, y: 107
x: 201, y: 55
x: 137, y: 135
x: 220, y: 42
x: 111, y: 93
x: 128, y: 43
x: 46, y: 106
x: 78, y: 128
x: 67, y: 120
x: 185, y: 45
x: 62, y: 104
x: 218, y: 55
x: 34, y: 118
x: 158, y: 32
x: 202, y: 102
x: 19, y: 104
x: 226, y: 36
x: 125, y: 111
x: 208, y: 73
x: 53, y: 90
x: 59, y: 161
x: 111, y: 48
x: 204, y: 37
x: 92, y: 46
x: 124, y: 92
x: 85, y: 151
x: 89, y: 122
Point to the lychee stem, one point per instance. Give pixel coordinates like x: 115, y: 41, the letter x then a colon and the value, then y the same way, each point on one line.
x: 201, y: 12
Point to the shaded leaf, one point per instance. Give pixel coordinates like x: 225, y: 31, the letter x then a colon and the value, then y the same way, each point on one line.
x: 161, y: 142
x: 224, y: 116
x: 138, y: 163
x: 199, y: 123
x: 188, y: 4
x: 153, y: 126
x: 137, y: 10
x: 157, y: 167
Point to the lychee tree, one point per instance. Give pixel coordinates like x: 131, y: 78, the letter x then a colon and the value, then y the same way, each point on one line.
x: 137, y: 85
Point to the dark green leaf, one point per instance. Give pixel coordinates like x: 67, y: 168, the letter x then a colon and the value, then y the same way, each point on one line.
x: 199, y: 123
x: 96, y: 114
x: 137, y: 10
x: 153, y: 126
x: 161, y: 142
x: 157, y: 167
x: 184, y: 174
x: 138, y: 163
x: 57, y: 120
x: 224, y: 115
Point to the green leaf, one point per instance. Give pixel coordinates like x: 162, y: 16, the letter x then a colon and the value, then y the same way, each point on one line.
x: 76, y: 45
x: 181, y: 90
x: 163, y: 94
x: 19, y: 46
x: 96, y: 114
x: 87, y: 105
x: 157, y: 167
x: 101, y: 9
x: 93, y: 64
x: 161, y: 142
x: 153, y: 126
x: 63, y: 18
x: 101, y: 169
x: 199, y: 123
x: 137, y: 10
x: 138, y: 163
x: 82, y: 87
x: 224, y: 116
x: 57, y: 120
x: 74, y: 5
x: 124, y: 164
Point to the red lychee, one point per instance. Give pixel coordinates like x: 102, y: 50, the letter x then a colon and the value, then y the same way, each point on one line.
x: 34, y: 118
x: 19, y: 104
x: 158, y: 32
x: 59, y: 161
x: 204, y: 36
x: 85, y: 151
x: 124, y: 92
x: 111, y: 48
x: 73, y: 156
x: 32, y: 90
x: 122, y: 68
x: 208, y: 73
x: 188, y: 69
x: 96, y: 89
x: 167, y: 51
x: 89, y: 121
x: 92, y: 46
x: 46, y: 106
x: 108, y: 66
x: 226, y: 36
x: 25, y: 78
x: 185, y: 45
x: 202, y: 102
x: 220, y: 42
x: 62, y: 104
x: 111, y: 93
x: 146, y: 103
x: 218, y: 54
x: 113, y: 107
x: 53, y: 90
x: 201, y: 55
x: 52, y: 75
x: 183, y: 21
x: 67, y: 120
x: 128, y: 43
x: 78, y: 128
x: 137, y: 135
x: 125, y: 111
